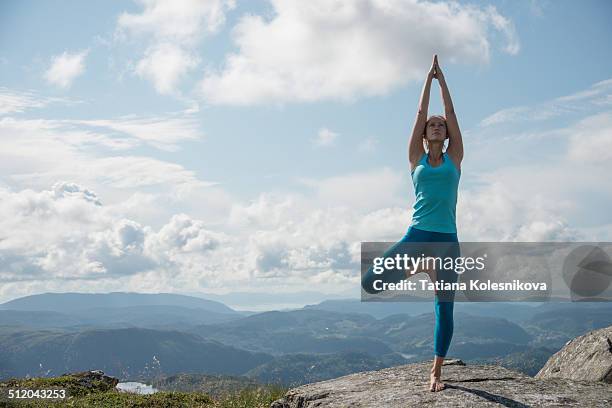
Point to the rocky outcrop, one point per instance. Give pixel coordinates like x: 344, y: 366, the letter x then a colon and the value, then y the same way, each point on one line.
x: 93, y: 380
x: 585, y: 358
x: 467, y: 386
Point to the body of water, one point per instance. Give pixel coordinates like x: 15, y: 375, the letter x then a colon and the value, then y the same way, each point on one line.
x: 136, y: 388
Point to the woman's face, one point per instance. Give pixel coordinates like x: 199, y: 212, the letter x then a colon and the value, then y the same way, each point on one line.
x: 435, y: 131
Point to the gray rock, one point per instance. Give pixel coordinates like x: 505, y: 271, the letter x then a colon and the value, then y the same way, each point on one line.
x: 467, y: 386
x: 586, y: 358
x: 94, y: 380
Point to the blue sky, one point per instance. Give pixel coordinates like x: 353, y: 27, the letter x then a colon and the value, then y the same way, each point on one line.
x: 221, y: 145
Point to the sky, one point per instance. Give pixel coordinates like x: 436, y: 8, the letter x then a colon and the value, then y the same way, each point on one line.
x: 219, y: 146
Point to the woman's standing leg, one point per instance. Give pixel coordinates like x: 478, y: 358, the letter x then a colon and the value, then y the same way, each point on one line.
x: 443, y: 334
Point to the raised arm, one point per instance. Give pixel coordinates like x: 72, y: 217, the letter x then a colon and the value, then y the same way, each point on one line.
x: 455, y: 141
x: 415, y: 146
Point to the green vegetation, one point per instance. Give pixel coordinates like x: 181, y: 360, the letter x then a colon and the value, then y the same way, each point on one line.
x: 100, y: 395
x: 213, y: 385
x: 71, y: 384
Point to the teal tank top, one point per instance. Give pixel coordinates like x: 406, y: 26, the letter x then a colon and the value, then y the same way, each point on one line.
x: 435, y: 189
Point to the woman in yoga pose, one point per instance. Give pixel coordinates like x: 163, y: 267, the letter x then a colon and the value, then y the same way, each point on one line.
x: 435, y: 175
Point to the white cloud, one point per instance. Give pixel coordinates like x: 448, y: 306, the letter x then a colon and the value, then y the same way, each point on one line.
x: 293, y: 239
x: 64, y: 189
x: 546, y: 183
x: 120, y: 172
x: 277, y: 241
x: 65, y: 238
x: 597, y: 96
x: 172, y: 29
x: 65, y: 68
x: 364, y: 191
x: 385, y: 224
x: 295, y: 251
x: 132, y: 172
x: 15, y: 102
x: 48, y: 215
x: 12, y: 101
x: 77, y: 238
x: 517, y: 209
x: 369, y: 144
x: 506, y: 27
x: 318, y: 50
x: 540, y: 185
x: 164, y: 65
x: 163, y: 131
x: 182, y: 21
x: 37, y: 153
x: 267, y: 210
x: 187, y: 235
x: 536, y: 7
x: 60, y: 132
x: 308, y: 240
x: 540, y: 231
x: 325, y: 137
x: 591, y: 140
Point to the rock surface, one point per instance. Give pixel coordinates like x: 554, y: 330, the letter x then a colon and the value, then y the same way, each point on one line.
x: 467, y: 386
x: 587, y: 358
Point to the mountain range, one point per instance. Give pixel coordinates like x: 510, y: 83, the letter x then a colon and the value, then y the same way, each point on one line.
x: 135, y: 335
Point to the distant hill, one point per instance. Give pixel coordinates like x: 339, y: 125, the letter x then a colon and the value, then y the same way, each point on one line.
x: 71, y: 302
x: 554, y: 324
x: 315, y: 331
x: 151, y: 316
x: 268, y: 301
x: 120, y: 352
x: 413, y: 335
x: 484, y: 349
x: 468, y: 326
x: 37, y: 319
x: 377, y: 309
x: 314, y: 320
x: 154, y: 315
x: 298, y: 369
x: 109, y: 332
x: 528, y: 361
x: 320, y: 331
x: 513, y: 311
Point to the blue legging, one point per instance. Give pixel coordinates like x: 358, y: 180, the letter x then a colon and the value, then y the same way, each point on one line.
x: 444, y: 300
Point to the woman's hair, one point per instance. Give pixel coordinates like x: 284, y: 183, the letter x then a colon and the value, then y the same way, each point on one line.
x: 425, y: 143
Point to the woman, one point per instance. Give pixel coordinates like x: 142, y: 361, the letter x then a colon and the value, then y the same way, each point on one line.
x: 435, y: 175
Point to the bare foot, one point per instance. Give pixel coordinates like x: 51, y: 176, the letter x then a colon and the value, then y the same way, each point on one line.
x: 435, y: 383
